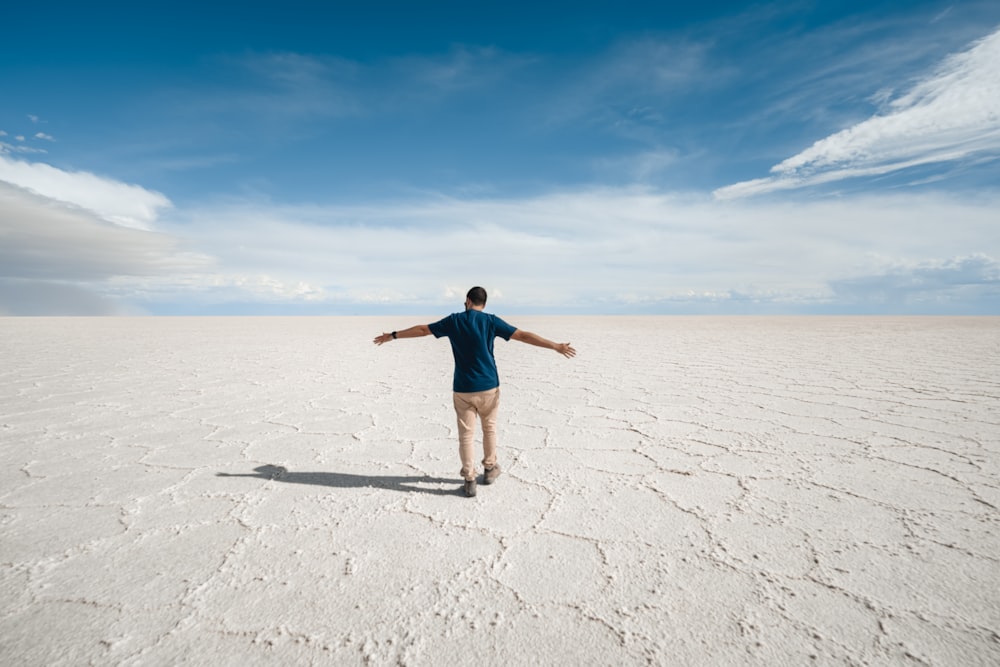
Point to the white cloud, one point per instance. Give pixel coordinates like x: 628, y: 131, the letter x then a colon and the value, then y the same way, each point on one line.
x: 121, y: 203
x: 56, y: 257
x: 44, y: 239
x: 599, y: 249
x: 200, y: 287
x: 46, y: 137
x: 951, y: 114
x: 586, y: 249
x: 941, y: 282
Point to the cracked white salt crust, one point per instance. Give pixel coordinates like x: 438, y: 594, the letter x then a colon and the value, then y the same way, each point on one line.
x: 693, y: 491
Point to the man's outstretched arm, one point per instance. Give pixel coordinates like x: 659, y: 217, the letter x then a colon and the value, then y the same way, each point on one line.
x: 413, y: 332
x: 564, y: 349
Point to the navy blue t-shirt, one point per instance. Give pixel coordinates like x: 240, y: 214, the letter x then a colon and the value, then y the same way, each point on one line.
x: 471, y: 334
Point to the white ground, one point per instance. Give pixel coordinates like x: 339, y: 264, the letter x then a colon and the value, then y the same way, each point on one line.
x: 687, y: 491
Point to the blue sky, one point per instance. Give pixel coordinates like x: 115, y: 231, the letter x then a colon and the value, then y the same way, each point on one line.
x: 356, y: 158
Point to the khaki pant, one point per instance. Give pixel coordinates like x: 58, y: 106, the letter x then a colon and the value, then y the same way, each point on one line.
x: 483, y: 404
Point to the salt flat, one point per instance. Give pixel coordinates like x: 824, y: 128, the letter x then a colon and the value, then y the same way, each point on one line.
x: 687, y: 491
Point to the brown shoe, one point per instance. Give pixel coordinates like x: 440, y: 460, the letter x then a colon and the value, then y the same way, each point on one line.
x: 490, y: 474
x: 470, y: 487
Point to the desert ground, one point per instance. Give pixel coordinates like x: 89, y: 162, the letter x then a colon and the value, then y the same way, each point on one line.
x: 686, y: 491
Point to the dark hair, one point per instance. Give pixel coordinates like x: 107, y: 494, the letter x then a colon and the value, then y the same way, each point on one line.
x: 477, y: 295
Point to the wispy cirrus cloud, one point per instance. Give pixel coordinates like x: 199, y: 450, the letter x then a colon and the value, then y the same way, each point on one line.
x: 287, y: 91
x: 627, y: 87
x: 461, y: 68
x: 293, y: 84
x: 951, y: 114
x: 643, y: 167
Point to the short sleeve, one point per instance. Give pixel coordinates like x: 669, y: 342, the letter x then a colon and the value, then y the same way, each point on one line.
x: 503, y: 330
x: 440, y: 328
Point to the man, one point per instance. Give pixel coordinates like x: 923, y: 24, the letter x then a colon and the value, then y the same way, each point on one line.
x: 476, y: 384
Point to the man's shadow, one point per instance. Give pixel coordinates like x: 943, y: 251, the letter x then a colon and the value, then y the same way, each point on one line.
x: 340, y: 480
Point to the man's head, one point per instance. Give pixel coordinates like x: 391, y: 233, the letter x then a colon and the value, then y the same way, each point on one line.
x: 476, y: 298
